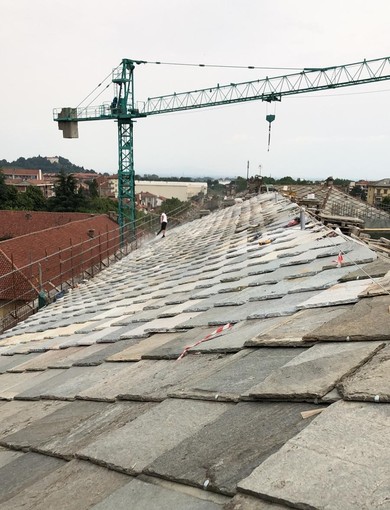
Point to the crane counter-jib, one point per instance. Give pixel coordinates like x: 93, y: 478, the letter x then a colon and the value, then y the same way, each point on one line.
x: 100, y: 112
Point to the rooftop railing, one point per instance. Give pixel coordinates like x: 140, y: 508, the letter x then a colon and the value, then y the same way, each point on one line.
x: 24, y: 290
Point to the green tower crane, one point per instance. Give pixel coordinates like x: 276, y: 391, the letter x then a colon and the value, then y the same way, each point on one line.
x: 123, y: 109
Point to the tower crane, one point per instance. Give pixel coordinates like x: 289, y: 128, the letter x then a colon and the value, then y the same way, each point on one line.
x: 124, y: 109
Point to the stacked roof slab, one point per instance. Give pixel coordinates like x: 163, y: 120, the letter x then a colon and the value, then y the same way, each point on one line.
x: 237, y: 364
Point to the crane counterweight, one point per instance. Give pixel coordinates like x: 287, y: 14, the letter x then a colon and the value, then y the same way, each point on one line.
x: 69, y: 128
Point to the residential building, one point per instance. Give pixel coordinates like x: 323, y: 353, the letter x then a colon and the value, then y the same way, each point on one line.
x: 23, y: 178
x: 22, y: 173
x: 53, y: 159
x: 108, y: 186
x: 46, y: 186
x: 146, y: 200
x: 362, y: 184
x: 377, y: 191
x: 85, y: 177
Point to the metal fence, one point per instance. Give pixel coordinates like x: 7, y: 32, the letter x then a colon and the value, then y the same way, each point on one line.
x: 24, y: 290
x: 364, y: 211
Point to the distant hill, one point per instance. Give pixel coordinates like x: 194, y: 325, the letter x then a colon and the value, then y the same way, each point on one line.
x: 43, y: 163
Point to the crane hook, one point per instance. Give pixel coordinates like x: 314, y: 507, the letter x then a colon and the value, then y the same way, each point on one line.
x: 269, y: 119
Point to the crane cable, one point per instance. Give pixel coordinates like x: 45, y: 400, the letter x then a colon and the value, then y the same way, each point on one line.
x: 222, y: 66
x: 175, y: 64
x: 97, y: 86
x: 92, y: 100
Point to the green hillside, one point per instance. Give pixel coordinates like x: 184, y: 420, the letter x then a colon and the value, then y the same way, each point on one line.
x: 40, y: 162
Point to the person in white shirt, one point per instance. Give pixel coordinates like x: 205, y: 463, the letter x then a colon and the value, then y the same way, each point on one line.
x: 163, y: 224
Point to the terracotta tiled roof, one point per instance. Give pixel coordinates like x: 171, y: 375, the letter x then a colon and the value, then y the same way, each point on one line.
x: 146, y: 194
x: 59, y: 251
x: 14, y: 285
x: 85, y: 176
x: 18, y: 223
x: 20, y: 171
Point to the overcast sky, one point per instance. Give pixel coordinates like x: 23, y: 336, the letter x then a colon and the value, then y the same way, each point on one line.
x: 56, y: 52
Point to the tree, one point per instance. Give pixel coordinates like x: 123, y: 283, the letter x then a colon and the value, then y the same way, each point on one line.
x: 31, y: 200
x: 67, y: 198
x: 100, y: 205
x: 8, y: 194
x: 268, y: 180
x: 150, y: 177
x: 286, y: 180
x: 386, y: 201
x: 93, y: 188
x: 358, y: 192
x: 37, y: 198
x: 214, y: 188
x: 3, y: 190
x: 342, y: 183
x: 174, y: 205
x: 241, y: 184
x: 44, y: 164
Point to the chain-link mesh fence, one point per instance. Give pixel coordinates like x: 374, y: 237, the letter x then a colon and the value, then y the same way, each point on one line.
x: 25, y: 289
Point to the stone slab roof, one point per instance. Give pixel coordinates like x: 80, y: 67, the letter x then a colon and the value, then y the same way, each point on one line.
x: 236, y: 364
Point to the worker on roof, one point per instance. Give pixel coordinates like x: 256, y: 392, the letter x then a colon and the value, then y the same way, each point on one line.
x: 163, y: 224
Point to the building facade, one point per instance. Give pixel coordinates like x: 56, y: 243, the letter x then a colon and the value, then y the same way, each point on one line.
x: 184, y: 191
x: 16, y: 174
x: 23, y: 178
x: 377, y: 191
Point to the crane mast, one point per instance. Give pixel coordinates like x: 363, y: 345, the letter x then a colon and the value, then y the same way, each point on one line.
x: 124, y: 108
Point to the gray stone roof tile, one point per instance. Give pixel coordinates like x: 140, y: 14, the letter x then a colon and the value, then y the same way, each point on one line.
x: 134, y: 446
x: 345, y: 442
x: 73, y: 486
x: 368, y: 319
x: 74, y: 426
x: 294, y: 330
x: 279, y: 398
x: 35, y: 467
x: 226, y: 450
x: 159, y: 495
x: 371, y: 382
x: 237, y: 374
x: 313, y: 373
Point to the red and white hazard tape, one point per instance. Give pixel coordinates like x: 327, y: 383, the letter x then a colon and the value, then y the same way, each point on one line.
x: 340, y: 259
x: 208, y: 337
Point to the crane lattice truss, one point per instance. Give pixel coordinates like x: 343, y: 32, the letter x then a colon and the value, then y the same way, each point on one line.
x: 125, y: 109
